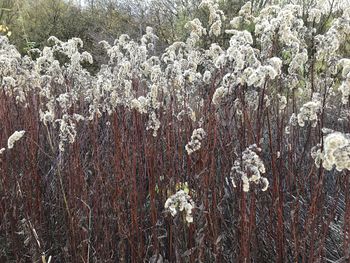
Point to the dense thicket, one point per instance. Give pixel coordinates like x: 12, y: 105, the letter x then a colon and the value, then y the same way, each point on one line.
x: 229, y: 144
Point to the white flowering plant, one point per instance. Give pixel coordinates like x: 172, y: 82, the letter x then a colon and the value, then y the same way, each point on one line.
x: 252, y: 111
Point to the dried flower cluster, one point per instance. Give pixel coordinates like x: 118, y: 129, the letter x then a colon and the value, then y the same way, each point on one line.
x: 335, y: 153
x: 250, y: 169
x: 345, y: 85
x: 196, y: 141
x: 309, y: 111
x: 180, y: 201
x: 16, y: 136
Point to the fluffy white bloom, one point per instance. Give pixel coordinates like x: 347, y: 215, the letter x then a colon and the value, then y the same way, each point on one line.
x: 215, y: 13
x: 265, y: 183
x: 246, y: 9
x: 252, y: 99
x: 214, y: 51
x: 284, y: 23
x: 86, y: 56
x: 276, y: 63
x: 55, y: 40
x: 215, y: 28
x: 258, y: 76
x: 245, y: 182
x: 236, y: 22
x: 196, y: 27
x: 181, y: 201
x: 147, y: 40
x: 196, y: 141
x: 219, y: 94
x: 17, y: 135
x: 64, y: 100
x: 298, y: 62
x: 345, y: 85
x: 336, y: 152
x: 282, y: 102
x: 153, y: 123
x: 293, y: 120
x: 47, y: 116
x: 250, y: 169
x: 206, y: 76
x: 270, y: 71
x: 8, y: 81
x: 267, y: 100
x: 345, y: 90
x: 2, y: 150
x: 153, y: 95
x: 345, y: 64
x: 317, y: 155
x: 309, y: 111
x: 78, y: 117
x: 67, y: 129
x: 139, y: 104
x: 240, y: 37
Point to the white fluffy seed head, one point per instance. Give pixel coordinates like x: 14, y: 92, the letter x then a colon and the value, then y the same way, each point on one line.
x: 180, y: 201
x: 336, y: 152
x: 17, y: 135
